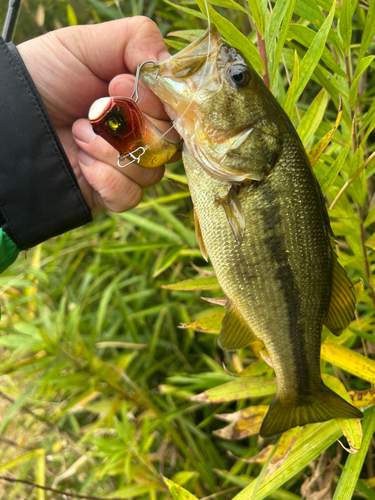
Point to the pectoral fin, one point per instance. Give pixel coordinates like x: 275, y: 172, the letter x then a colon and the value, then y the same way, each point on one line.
x: 342, y: 305
x: 235, y: 333
x: 235, y: 214
x: 198, y: 234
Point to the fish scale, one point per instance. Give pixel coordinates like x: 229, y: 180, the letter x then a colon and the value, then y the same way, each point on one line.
x: 260, y: 217
x: 244, y: 271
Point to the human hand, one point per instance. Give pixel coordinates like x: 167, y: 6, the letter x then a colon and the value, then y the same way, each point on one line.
x: 71, y: 68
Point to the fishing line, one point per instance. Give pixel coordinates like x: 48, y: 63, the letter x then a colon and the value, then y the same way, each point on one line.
x: 135, y: 94
x: 204, y: 69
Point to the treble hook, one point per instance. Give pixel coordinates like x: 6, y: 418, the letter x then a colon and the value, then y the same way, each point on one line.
x: 139, y: 67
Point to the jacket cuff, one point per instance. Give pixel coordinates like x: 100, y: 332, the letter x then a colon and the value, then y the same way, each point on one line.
x: 8, y: 252
x: 39, y: 193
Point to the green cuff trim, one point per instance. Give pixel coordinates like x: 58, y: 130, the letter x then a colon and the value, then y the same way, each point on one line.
x: 8, y: 251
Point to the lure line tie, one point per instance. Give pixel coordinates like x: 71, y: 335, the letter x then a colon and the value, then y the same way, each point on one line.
x: 132, y: 156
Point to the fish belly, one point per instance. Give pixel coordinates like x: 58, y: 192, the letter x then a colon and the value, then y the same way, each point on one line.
x: 279, y: 278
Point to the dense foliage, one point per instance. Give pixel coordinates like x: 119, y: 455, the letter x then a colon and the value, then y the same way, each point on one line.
x: 97, y: 379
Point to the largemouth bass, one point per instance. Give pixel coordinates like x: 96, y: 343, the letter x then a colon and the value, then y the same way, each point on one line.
x: 260, y: 217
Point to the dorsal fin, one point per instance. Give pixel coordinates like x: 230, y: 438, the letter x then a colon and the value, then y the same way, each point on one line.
x: 235, y: 333
x: 235, y: 214
x: 198, y: 234
x: 342, y: 304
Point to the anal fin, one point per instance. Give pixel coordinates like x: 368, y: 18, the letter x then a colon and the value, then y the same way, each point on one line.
x: 235, y: 214
x: 342, y: 304
x: 235, y: 332
x: 198, y: 234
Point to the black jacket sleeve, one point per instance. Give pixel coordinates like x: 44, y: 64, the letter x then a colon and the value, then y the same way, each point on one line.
x: 39, y: 193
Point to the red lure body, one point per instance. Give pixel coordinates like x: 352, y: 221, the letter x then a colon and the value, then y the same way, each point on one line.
x: 121, y: 123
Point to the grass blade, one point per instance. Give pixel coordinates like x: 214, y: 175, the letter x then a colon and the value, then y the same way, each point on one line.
x: 312, y: 56
x: 234, y: 36
x: 354, y: 463
x: 313, y: 440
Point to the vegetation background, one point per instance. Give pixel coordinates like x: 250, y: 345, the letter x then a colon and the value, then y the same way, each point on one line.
x: 97, y: 378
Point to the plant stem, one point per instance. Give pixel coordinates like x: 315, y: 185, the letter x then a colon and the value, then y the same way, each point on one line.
x: 347, y: 183
x: 367, y: 264
x: 263, y: 55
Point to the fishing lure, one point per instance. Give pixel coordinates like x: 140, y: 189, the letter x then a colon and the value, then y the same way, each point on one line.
x: 123, y: 125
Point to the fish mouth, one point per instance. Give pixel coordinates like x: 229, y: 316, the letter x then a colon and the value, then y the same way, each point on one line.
x: 176, y: 79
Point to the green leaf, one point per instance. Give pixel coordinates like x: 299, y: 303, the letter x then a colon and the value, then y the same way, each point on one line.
x: 245, y: 387
x: 188, y: 235
x: 168, y: 259
x: 229, y: 4
x: 199, y: 283
x: 312, y: 56
x: 153, y: 227
x: 317, y: 150
x: 209, y: 324
x: 331, y: 174
x: 313, y: 117
x: 346, y: 24
x: 178, y: 492
x: 128, y: 247
x: 130, y: 492
x: 351, y: 427
x: 358, y: 188
x: 312, y: 441
x: 369, y: 31
x: 255, y: 368
x: 189, y: 35
x: 184, y: 477
x: 284, y: 447
x: 257, y: 15
x: 191, y: 12
x: 353, y: 465
x: 14, y: 408
x: 361, y: 68
x: 305, y: 36
x: 18, y: 461
x: 175, y: 45
x: 71, y: 15
x: 279, y: 15
x: 104, y: 10
x: 310, y: 11
x: 234, y: 37
x: 290, y: 100
x: 370, y: 219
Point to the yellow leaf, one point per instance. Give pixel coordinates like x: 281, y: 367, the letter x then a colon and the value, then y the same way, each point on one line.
x: 350, y: 361
x: 245, y: 422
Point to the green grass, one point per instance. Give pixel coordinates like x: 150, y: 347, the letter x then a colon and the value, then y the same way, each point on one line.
x: 97, y: 380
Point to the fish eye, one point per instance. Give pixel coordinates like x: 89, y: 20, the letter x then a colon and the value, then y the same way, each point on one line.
x: 238, y: 76
x: 115, y: 123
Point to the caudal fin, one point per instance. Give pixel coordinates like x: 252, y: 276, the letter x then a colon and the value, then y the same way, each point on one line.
x: 319, y: 407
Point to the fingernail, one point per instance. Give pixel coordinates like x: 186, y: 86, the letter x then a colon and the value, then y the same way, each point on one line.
x: 85, y: 159
x: 164, y: 55
x: 86, y: 134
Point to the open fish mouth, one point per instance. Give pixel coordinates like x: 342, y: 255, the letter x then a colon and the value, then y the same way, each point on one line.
x: 176, y: 80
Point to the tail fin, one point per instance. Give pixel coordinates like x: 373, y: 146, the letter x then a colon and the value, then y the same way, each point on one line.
x: 319, y: 407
